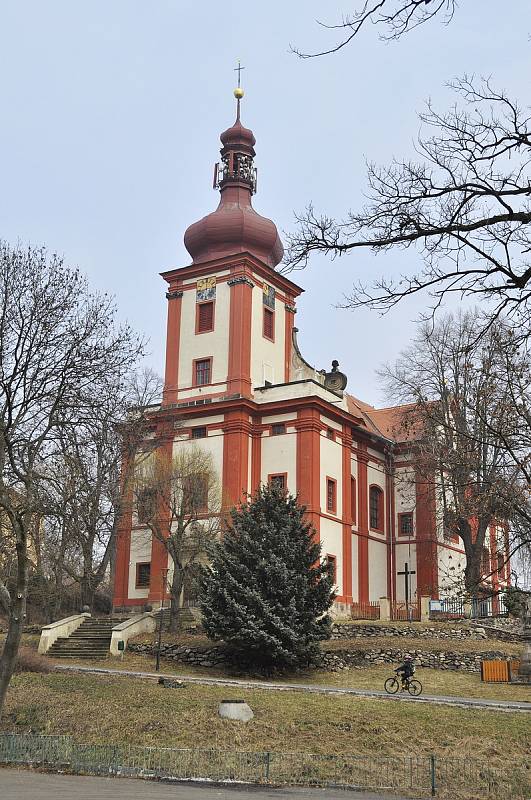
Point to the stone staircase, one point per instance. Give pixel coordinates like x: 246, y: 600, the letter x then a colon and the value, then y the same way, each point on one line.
x: 91, y: 640
x: 189, y: 617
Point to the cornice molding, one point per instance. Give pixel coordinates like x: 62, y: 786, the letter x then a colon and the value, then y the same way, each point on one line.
x: 241, y: 279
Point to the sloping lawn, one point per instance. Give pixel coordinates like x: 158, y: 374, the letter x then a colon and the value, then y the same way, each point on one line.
x: 102, y: 710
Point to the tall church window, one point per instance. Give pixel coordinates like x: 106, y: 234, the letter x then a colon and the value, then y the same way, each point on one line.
x: 331, y: 495
x: 204, y: 320
x: 143, y: 575
x: 405, y: 524
x: 269, y: 324
x: 332, y: 562
x: 353, y: 499
x: 202, y: 371
x: 376, y: 508
x: 195, y: 494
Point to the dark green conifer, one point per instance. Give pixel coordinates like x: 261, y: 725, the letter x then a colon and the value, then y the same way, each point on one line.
x: 267, y: 592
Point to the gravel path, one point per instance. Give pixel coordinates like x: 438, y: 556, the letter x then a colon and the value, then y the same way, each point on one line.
x: 463, y: 702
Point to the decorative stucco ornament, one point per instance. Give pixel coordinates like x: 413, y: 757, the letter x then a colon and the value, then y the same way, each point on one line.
x: 335, y: 380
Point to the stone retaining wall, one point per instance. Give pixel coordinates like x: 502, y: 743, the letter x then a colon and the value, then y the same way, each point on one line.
x: 447, y: 660
x: 342, y: 631
x: 332, y: 661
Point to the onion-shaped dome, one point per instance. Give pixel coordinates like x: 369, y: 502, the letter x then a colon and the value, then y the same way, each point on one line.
x: 235, y: 227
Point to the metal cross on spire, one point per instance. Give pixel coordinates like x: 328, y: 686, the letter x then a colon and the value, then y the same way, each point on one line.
x: 238, y: 69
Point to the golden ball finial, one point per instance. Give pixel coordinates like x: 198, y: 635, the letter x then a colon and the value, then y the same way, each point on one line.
x: 238, y: 93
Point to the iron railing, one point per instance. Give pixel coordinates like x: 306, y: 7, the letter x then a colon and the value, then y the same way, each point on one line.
x: 474, y: 608
x: 365, y: 610
x: 429, y: 775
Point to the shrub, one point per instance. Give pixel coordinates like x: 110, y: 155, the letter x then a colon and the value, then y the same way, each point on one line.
x: 30, y: 661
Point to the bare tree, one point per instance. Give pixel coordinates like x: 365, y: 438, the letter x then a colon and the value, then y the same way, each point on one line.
x: 393, y: 17
x: 466, y: 424
x: 58, y: 344
x: 178, y: 498
x: 465, y: 205
x: 85, y: 494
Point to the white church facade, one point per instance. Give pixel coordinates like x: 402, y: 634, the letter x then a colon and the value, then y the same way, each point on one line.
x: 237, y: 385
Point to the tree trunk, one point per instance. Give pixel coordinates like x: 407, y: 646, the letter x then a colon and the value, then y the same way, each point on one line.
x: 86, y: 592
x: 175, y: 591
x: 17, y: 615
x: 473, y: 572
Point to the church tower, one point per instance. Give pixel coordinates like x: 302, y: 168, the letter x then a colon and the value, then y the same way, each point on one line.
x: 230, y: 314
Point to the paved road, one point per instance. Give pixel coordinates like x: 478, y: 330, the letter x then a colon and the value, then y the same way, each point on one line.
x: 466, y: 702
x: 25, y: 785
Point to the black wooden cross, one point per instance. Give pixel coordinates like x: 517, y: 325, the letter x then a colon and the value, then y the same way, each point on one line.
x: 238, y: 69
x: 407, y: 573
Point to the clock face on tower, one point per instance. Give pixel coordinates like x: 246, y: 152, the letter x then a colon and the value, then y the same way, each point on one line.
x: 206, y: 289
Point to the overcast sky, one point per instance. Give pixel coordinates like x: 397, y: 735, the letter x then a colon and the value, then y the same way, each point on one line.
x: 111, y: 112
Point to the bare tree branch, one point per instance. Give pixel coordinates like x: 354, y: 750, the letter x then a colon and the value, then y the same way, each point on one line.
x: 465, y: 207
x: 396, y: 17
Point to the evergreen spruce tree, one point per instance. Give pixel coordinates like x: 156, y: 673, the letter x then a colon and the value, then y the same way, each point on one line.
x: 266, y: 593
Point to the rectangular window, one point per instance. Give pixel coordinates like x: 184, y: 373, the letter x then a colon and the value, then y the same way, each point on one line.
x: 333, y: 564
x: 195, y: 494
x: 331, y: 487
x: 143, y: 575
x: 376, y: 508
x: 269, y: 324
x: 204, y: 320
x: 353, y: 499
x: 278, y: 481
x: 199, y: 433
x: 330, y: 434
x: 405, y: 524
x: 278, y: 428
x: 202, y: 372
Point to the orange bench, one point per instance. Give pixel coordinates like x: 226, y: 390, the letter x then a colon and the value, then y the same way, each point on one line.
x: 499, y: 671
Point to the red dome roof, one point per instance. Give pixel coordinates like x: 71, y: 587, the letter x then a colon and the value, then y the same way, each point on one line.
x: 235, y: 227
x: 237, y: 134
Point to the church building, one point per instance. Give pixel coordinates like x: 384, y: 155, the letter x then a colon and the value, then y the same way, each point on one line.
x: 237, y: 384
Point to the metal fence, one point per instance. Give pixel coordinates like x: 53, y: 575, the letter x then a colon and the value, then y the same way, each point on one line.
x: 474, y: 608
x: 406, y: 612
x: 367, y: 610
x: 429, y: 775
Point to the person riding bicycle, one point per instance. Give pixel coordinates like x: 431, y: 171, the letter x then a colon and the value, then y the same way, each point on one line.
x: 406, y: 670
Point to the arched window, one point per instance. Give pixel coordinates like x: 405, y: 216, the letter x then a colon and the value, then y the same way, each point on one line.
x: 376, y: 515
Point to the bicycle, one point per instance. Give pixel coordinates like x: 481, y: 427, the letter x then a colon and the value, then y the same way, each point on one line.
x: 412, y: 685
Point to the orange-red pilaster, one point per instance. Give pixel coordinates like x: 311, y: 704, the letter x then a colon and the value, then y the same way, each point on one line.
x: 363, y: 526
x: 241, y: 304
x: 347, y: 513
x: 426, y: 535
x: 256, y: 457
x: 159, y: 554
x: 123, y: 535
x: 290, y: 313
x: 172, y: 347
x: 308, y: 428
x: 236, y: 434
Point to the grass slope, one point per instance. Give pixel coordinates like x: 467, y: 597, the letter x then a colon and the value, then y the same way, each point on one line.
x: 102, y: 710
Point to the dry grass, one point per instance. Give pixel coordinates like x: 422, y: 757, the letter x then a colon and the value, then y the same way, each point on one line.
x: 436, y: 682
x: 128, y: 710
